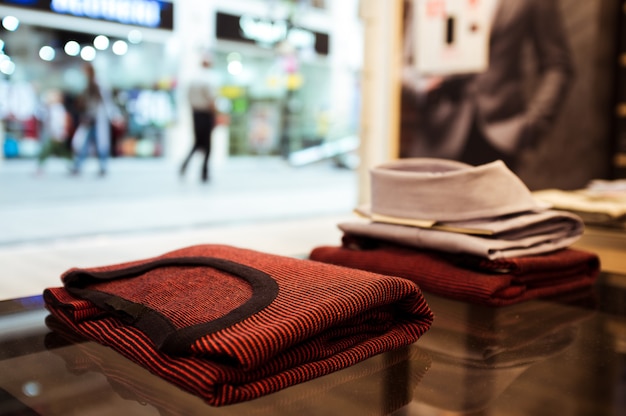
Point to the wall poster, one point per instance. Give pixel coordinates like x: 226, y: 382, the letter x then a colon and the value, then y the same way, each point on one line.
x: 528, y: 82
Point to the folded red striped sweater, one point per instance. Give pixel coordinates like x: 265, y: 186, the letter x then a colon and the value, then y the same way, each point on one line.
x: 467, y: 278
x: 230, y: 324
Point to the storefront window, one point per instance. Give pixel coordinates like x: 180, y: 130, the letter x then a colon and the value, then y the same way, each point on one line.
x: 45, y: 59
x: 282, y: 93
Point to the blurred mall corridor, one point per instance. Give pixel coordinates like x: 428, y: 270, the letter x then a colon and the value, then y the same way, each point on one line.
x: 148, y: 195
x: 54, y: 221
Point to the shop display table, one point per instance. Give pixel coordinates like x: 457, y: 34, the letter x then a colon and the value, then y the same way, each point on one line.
x: 564, y: 356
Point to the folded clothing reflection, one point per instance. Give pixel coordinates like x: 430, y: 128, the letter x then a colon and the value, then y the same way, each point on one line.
x: 477, y: 351
x: 358, y: 388
x: 230, y: 324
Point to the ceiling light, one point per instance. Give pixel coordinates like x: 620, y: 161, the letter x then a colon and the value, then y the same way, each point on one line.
x: 10, y: 23
x: 72, y: 48
x: 88, y: 53
x: 101, y: 42
x: 47, y: 53
x: 120, y: 47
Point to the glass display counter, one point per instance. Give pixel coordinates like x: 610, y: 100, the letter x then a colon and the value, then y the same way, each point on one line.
x: 564, y: 355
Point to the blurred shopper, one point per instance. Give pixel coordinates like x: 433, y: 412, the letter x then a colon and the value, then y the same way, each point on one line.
x: 97, y: 112
x: 56, y: 128
x: 202, y: 101
x: 478, y: 118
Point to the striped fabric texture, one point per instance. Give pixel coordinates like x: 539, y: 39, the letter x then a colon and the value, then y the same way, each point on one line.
x: 488, y: 282
x: 230, y: 324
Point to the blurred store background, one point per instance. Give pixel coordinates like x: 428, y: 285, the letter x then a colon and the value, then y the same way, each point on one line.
x: 287, y: 76
x: 309, y: 98
x: 288, y: 71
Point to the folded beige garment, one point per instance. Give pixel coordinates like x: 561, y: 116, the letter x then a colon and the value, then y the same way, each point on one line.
x: 584, y: 202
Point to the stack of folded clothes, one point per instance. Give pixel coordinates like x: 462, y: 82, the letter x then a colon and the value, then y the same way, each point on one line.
x: 601, y: 202
x: 229, y: 324
x: 469, y: 233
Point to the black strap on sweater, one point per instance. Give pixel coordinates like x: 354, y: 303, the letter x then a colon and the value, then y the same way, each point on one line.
x: 167, y: 337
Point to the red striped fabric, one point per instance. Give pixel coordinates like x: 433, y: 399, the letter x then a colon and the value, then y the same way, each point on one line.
x: 205, y: 330
x: 493, y: 283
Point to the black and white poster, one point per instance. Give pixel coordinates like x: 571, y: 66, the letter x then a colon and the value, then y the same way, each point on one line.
x: 529, y: 82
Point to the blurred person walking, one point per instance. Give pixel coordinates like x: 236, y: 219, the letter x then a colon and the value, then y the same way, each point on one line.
x: 202, y: 101
x: 96, y: 113
x: 56, y: 126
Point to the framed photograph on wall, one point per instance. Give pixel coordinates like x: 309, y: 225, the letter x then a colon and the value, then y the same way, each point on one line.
x: 537, y: 93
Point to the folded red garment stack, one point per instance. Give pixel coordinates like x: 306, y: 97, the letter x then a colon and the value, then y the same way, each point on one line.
x: 472, y: 279
x: 230, y: 324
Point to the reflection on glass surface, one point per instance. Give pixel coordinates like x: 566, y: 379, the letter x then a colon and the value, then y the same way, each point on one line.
x: 478, y: 352
x: 561, y: 356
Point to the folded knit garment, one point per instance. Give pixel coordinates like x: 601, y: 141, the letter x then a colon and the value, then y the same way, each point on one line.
x: 230, y: 324
x: 482, y: 281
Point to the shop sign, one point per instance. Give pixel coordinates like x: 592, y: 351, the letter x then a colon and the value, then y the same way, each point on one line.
x: 271, y: 32
x: 136, y: 12
x: 267, y: 32
x: 146, y: 13
x: 263, y: 31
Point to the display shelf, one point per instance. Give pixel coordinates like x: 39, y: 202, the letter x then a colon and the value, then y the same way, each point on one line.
x: 609, y: 244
